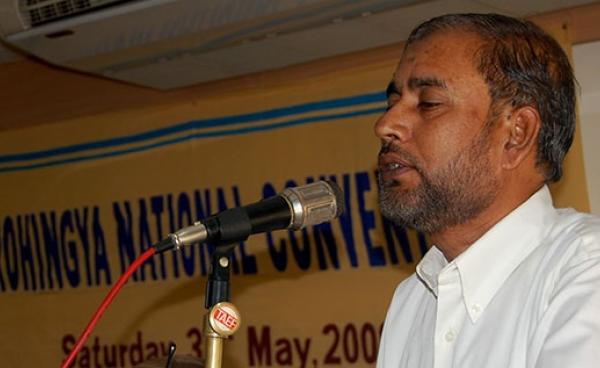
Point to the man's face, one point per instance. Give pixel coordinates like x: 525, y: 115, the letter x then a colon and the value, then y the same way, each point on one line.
x: 436, y: 167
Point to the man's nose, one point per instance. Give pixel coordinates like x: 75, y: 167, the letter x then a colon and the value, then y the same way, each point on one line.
x: 394, y: 125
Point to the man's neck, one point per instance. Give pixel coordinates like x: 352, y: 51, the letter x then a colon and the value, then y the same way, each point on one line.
x: 455, y: 240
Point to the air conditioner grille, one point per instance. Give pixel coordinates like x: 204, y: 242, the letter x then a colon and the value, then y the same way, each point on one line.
x: 39, y: 12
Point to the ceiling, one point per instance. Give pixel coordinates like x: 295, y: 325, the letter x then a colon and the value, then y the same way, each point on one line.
x: 165, y: 44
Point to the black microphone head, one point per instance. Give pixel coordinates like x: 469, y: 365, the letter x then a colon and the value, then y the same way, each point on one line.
x: 314, y: 203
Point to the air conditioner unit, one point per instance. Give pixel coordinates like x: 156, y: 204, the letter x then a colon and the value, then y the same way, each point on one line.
x: 167, y: 44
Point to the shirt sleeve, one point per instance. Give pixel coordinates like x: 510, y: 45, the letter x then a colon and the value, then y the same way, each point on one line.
x: 569, y: 334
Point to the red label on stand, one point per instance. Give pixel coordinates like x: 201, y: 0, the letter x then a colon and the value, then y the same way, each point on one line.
x: 225, y: 318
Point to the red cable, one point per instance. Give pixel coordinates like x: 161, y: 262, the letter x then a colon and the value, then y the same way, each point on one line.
x: 105, y: 303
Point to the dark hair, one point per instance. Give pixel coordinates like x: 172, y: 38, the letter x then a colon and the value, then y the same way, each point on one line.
x: 524, y: 66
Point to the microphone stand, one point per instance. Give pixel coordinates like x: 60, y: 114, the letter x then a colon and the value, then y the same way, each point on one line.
x: 294, y: 209
x: 222, y: 318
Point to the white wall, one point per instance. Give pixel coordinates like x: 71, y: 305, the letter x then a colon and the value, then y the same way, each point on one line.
x: 587, y: 70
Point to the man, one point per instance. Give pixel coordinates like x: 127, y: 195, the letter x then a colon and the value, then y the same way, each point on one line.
x: 480, y: 116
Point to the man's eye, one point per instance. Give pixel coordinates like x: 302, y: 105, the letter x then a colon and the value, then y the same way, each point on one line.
x: 428, y: 105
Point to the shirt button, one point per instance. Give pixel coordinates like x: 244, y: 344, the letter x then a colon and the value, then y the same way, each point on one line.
x: 449, y: 336
x: 476, y: 308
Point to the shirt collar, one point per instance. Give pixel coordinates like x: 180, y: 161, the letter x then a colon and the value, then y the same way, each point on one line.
x: 488, y: 262
x: 429, y: 268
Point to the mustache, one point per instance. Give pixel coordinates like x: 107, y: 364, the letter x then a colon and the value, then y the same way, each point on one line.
x: 402, y: 154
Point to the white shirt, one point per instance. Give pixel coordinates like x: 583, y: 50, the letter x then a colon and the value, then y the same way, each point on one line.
x: 525, y: 295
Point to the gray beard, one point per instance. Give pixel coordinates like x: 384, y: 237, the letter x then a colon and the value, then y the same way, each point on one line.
x: 455, y: 194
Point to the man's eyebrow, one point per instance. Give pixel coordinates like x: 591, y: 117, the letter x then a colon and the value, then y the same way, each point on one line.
x: 415, y: 83
x: 419, y: 82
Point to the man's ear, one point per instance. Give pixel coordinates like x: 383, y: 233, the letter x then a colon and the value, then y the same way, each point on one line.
x: 522, y: 127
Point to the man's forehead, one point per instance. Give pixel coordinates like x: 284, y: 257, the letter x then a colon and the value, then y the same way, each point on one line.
x: 457, y: 46
x: 446, y: 39
x: 437, y: 60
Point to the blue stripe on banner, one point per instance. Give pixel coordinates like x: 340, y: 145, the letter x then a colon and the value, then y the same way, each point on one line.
x: 212, y: 134
x: 193, y: 125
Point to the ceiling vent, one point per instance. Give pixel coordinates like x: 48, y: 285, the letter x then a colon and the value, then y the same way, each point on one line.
x: 39, y: 12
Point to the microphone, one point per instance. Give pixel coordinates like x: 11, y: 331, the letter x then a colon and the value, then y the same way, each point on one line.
x: 294, y: 208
